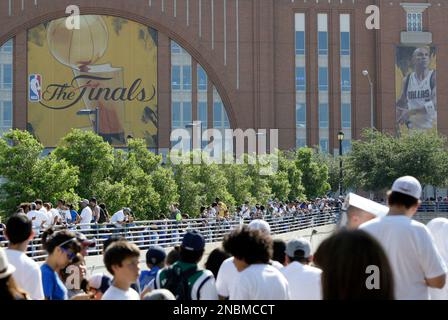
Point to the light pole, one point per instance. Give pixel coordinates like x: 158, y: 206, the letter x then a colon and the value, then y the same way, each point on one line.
x: 88, y: 112
x: 365, y: 73
x: 340, y: 139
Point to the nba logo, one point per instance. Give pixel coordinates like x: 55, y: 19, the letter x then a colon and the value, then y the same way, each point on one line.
x: 35, y: 84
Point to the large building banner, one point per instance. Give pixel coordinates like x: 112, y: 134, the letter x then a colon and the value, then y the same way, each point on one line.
x: 109, y: 65
x: 416, y: 95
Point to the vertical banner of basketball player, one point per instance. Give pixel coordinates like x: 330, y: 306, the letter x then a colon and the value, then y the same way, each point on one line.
x: 416, y: 88
x: 110, y: 63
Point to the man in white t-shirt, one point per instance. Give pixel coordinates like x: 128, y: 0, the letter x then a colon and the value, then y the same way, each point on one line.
x: 257, y: 278
x: 228, y: 273
x: 416, y: 263
x: 119, y: 218
x: 28, y: 275
x: 38, y: 219
x: 86, y: 214
x: 303, y: 279
x: 439, y: 230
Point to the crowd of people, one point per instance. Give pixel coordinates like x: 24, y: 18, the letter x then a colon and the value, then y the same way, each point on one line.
x: 377, y: 253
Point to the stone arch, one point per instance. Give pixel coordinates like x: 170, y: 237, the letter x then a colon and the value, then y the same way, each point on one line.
x: 194, y: 47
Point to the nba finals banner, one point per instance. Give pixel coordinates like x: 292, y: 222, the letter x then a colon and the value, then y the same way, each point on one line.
x: 416, y: 95
x: 105, y: 69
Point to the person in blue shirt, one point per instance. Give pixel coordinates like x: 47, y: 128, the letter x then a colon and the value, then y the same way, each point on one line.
x: 155, y: 260
x: 63, y: 248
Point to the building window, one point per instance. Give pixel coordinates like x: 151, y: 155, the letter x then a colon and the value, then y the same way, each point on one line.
x: 175, y: 77
x: 346, y: 116
x: 186, y: 76
x: 323, y: 42
x: 323, y: 115
x: 6, y: 84
x: 300, y: 115
x: 202, y: 79
x: 323, y: 78
x: 300, y: 79
x: 323, y: 143
x: 345, y: 79
x: 300, y: 42
x: 202, y: 114
x: 345, y: 43
x: 415, y: 22
x: 175, y: 48
x: 176, y: 115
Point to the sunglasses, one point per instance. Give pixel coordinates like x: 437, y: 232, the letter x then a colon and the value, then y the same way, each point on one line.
x: 70, y: 255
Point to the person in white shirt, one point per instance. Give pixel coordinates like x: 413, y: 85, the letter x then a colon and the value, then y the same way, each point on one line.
x: 303, y: 279
x: 416, y: 263
x: 119, y: 218
x: 228, y: 273
x: 86, y: 214
x: 122, y: 261
x: 439, y: 230
x: 28, y: 276
x: 257, y: 279
x: 37, y: 218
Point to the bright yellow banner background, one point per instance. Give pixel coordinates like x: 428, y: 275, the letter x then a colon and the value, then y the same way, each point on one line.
x: 104, y: 46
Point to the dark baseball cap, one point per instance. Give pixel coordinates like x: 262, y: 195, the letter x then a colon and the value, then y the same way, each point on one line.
x: 155, y: 255
x: 193, y: 241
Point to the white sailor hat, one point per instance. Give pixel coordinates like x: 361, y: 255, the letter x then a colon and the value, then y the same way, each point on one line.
x: 367, y: 205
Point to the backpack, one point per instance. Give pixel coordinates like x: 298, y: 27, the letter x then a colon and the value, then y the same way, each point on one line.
x: 177, y: 281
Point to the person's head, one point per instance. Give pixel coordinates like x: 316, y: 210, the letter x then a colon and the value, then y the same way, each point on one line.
x: 279, y: 247
x: 159, y: 294
x: 26, y: 207
x: 248, y: 247
x: 19, y: 229
x: 39, y: 204
x: 421, y: 58
x: 111, y: 240
x: 62, y: 247
x: 48, y: 206
x: 172, y: 256
x: 92, y: 202
x: 83, y: 203
x: 97, y: 285
x: 103, y: 206
x: 405, y: 195
x: 192, y: 247
x: 298, y: 250
x: 346, y: 259
x: 261, y: 225
x: 155, y: 256
x: 85, y: 243
x: 356, y: 217
x: 121, y: 260
x: 215, y: 259
x: 61, y: 203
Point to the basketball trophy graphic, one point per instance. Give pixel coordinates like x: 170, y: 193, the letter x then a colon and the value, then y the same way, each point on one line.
x: 80, y: 50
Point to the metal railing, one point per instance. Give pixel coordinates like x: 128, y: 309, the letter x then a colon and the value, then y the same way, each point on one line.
x: 169, y: 233
x: 433, y: 206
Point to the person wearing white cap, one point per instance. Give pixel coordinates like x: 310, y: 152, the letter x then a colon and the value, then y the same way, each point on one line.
x: 360, y: 210
x: 416, y: 262
x: 439, y: 230
x: 86, y: 215
x: 228, y: 273
x: 8, y: 287
x: 304, y: 280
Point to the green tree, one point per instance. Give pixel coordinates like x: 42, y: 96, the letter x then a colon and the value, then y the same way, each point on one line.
x: 91, y: 154
x: 314, y: 174
x: 28, y: 176
x: 239, y: 183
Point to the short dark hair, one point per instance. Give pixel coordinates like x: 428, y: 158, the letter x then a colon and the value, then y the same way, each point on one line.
x: 18, y: 228
x: 299, y: 256
x: 252, y: 246
x: 344, y: 258
x: 279, y: 247
x: 215, y: 260
x: 398, y: 198
x: 111, y: 240
x: 173, y: 256
x: 117, y: 252
x: 38, y: 201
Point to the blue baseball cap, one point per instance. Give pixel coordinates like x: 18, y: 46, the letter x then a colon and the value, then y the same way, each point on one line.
x: 155, y: 255
x: 193, y: 241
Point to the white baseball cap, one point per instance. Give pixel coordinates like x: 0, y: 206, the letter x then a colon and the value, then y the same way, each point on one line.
x: 367, y: 205
x: 409, y: 186
x: 261, y: 225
